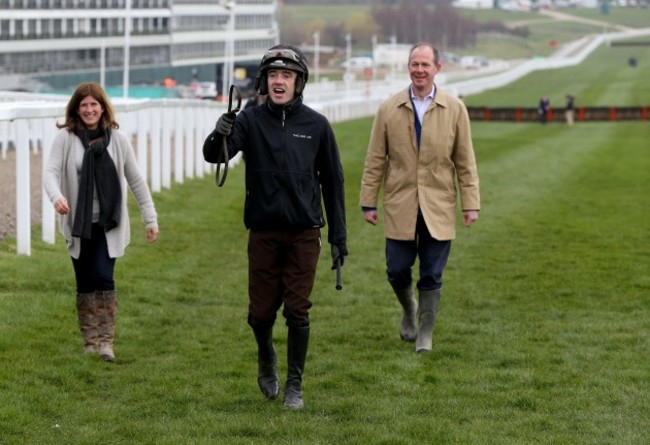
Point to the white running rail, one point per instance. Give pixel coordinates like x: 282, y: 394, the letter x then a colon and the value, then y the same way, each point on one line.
x: 169, y: 133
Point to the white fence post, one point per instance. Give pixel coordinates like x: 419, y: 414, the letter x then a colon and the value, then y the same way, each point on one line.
x: 23, y: 207
x: 189, y: 142
x: 166, y: 148
x: 142, y: 151
x: 155, y: 115
x: 4, y: 138
x: 197, y: 146
x: 47, y: 209
x: 205, y: 130
x: 179, y: 138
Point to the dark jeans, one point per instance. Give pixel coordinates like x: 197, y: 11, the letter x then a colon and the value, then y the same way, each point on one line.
x: 93, y: 269
x: 281, y: 270
x: 400, y: 257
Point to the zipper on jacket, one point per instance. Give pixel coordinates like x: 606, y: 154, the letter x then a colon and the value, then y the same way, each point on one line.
x: 284, y: 140
x: 284, y: 160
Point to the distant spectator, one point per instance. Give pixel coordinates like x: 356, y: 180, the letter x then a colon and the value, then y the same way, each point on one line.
x: 570, y: 109
x: 542, y: 110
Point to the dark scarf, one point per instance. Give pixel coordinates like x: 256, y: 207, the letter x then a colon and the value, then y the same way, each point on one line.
x: 97, y: 171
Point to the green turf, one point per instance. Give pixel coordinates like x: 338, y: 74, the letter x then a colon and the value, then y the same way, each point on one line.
x: 604, y: 79
x: 542, y: 334
x: 634, y: 17
x: 541, y: 337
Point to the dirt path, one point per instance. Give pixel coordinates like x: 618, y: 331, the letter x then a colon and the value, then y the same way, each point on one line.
x: 8, y: 192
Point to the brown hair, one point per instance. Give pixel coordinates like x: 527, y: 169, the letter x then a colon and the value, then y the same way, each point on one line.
x: 83, y: 90
x: 436, y: 54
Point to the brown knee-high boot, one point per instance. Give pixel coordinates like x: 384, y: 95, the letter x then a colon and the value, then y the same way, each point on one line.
x: 107, y: 311
x: 88, y: 321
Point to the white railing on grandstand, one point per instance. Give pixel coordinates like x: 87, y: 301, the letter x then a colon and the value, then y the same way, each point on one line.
x: 169, y: 133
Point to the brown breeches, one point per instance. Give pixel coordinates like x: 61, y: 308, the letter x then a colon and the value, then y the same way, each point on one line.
x: 281, y: 270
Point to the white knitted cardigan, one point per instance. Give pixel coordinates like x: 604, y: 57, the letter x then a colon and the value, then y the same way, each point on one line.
x: 61, y: 179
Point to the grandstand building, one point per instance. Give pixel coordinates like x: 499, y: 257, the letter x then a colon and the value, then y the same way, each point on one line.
x: 63, y: 42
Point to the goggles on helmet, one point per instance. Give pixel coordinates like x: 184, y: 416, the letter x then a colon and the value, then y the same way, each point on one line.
x: 283, y: 58
x: 281, y: 53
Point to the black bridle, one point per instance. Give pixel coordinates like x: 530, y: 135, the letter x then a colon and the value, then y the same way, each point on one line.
x: 226, y: 159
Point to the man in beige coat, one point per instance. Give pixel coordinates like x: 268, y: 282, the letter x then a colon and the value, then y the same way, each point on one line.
x: 420, y: 148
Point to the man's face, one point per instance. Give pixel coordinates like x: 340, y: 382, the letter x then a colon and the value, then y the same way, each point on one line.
x: 423, y: 69
x: 282, y: 85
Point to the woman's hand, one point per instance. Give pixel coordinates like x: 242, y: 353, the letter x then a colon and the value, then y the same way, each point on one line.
x: 152, y: 234
x: 61, y: 206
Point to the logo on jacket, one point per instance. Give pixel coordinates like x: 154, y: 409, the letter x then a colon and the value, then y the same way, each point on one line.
x: 301, y: 136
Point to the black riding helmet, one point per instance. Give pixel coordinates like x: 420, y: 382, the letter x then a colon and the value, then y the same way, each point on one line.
x: 283, y: 57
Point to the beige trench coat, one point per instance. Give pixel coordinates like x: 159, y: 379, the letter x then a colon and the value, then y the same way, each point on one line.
x: 429, y: 178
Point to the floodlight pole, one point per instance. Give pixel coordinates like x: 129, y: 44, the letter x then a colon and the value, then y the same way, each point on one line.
x: 127, y: 48
x: 229, y: 48
x: 393, y: 70
x: 374, y: 50
x: 348, y: 47
x: 102, y: 64
x: 316, y: 56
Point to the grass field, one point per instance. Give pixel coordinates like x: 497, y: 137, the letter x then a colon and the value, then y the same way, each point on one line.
x: 632, y: 17
x: 542, y: 335
x: 603, y: 79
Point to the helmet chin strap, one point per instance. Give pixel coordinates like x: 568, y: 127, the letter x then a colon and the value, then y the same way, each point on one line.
x: 300, y: 84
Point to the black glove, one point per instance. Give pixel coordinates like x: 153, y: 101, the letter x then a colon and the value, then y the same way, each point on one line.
x: 338, y: 254
x: 225, y: 123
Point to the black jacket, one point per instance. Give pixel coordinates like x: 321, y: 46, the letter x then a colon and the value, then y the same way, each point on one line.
x: 291, y: 158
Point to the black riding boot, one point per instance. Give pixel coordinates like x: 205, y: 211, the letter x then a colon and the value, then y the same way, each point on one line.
x: 267, y: 373
x: 297, y: 342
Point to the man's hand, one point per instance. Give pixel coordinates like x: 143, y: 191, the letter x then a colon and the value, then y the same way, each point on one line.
x: 469, y: 216
x: 370, y: 216
x: 338, y: 254
x: 225, y: 123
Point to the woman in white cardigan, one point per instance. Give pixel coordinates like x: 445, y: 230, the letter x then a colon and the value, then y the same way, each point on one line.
x: 90, y: 166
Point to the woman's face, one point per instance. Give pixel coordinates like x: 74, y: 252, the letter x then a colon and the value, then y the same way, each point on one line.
x: 90, y: 111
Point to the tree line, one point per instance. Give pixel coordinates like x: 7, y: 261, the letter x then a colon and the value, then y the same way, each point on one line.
x: 407, y: 21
